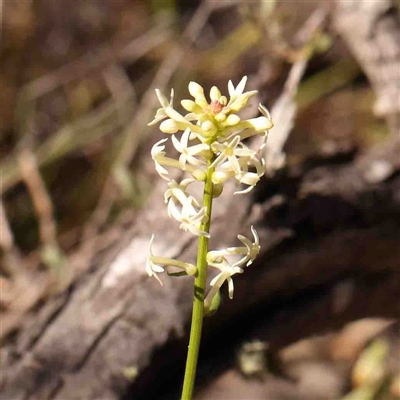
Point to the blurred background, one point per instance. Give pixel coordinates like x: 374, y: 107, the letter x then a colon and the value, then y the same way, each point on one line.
x: 317, y: 319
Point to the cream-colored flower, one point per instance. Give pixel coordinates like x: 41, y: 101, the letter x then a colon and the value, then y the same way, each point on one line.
x: 231, y: 152
x: 158, y: 153
x: 188, y: 153
x: 226, y: 151
x: 178, y: 190
x: 238, y: 99
x: 251, y: 249
x: 248, y: 252
x: 156, y: 265
x: 190, y: 218
x: 161, y: 114
x: 151, y: 268
x: 225, y: 274
x: 247, y: 177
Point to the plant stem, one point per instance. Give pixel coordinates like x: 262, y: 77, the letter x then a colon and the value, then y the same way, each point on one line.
x: 198, y: 297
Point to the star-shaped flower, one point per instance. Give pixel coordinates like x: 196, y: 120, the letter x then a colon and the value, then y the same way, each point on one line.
x: 250, y: 178
x: 230, y: 151
x: 188, y: 216
x: 226, y: 273
x: 158, y: 153
x: 178, y: 191
x: 151, y: 268
x: 156, y: 265
x: 238, y: 99
x: 161, y: 114
x: 188, y: 152
x: 249, y: 251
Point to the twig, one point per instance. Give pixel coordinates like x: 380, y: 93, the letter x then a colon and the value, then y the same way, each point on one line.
x: 62, y: 142
x: 372, y: 31
x: 121, y: 90
x: 136, y: 49
x: 285, y: 108
x: 118, y: 83
x: 12, y: 260
x: 70, y: 137
x: 283, y: 112
x: 40, y: 197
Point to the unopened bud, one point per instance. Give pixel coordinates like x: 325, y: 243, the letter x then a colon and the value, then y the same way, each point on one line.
x: 209, y: 127
x: 217, y: 190
x: 169, y: 126
x: 189, y: 105
x: 215, y: 94
x: 232, y: 120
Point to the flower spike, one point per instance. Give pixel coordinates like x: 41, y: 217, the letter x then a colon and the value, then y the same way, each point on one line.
x: 209, y: 139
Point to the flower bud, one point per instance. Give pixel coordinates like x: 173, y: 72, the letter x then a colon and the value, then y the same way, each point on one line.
x: 223, y: 100
x: 198, y: 93
x: 199, y: 175
x: 196, y: 90
x: 220, y: 117
x: 169, y: 126
x: 232, y: 120
x: 219, y: 177
x: 217, y: 190
x: 215, y: 94
x: 191, y: 106
x: 208, y: 127
x: 260, y: 124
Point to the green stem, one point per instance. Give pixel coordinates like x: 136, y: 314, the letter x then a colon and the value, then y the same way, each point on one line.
x: 198, y: 298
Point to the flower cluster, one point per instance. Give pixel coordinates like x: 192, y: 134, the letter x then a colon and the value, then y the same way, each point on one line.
x: 210, y: 145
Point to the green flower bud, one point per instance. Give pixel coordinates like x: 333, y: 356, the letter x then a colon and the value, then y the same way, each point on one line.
x: 215, y: 303
x: 217, y: 190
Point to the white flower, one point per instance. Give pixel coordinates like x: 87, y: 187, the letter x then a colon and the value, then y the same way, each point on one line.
x: 154, y: 264
x: 226, y: 170
x: 229, y: 151
x: 235, y: 92
x: 175, y: 121
x: 158, y: 153
x: 226, y: 273
x: 226, y: 151
x: 151, y: 268
x: 238, y: 99
x: 178, y: 190
x: 160, y: 114
x: 188, y: 216
x: 249, y: 251
x: 250, y: 178
x: 192, y: 222
x: 188, y: 152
